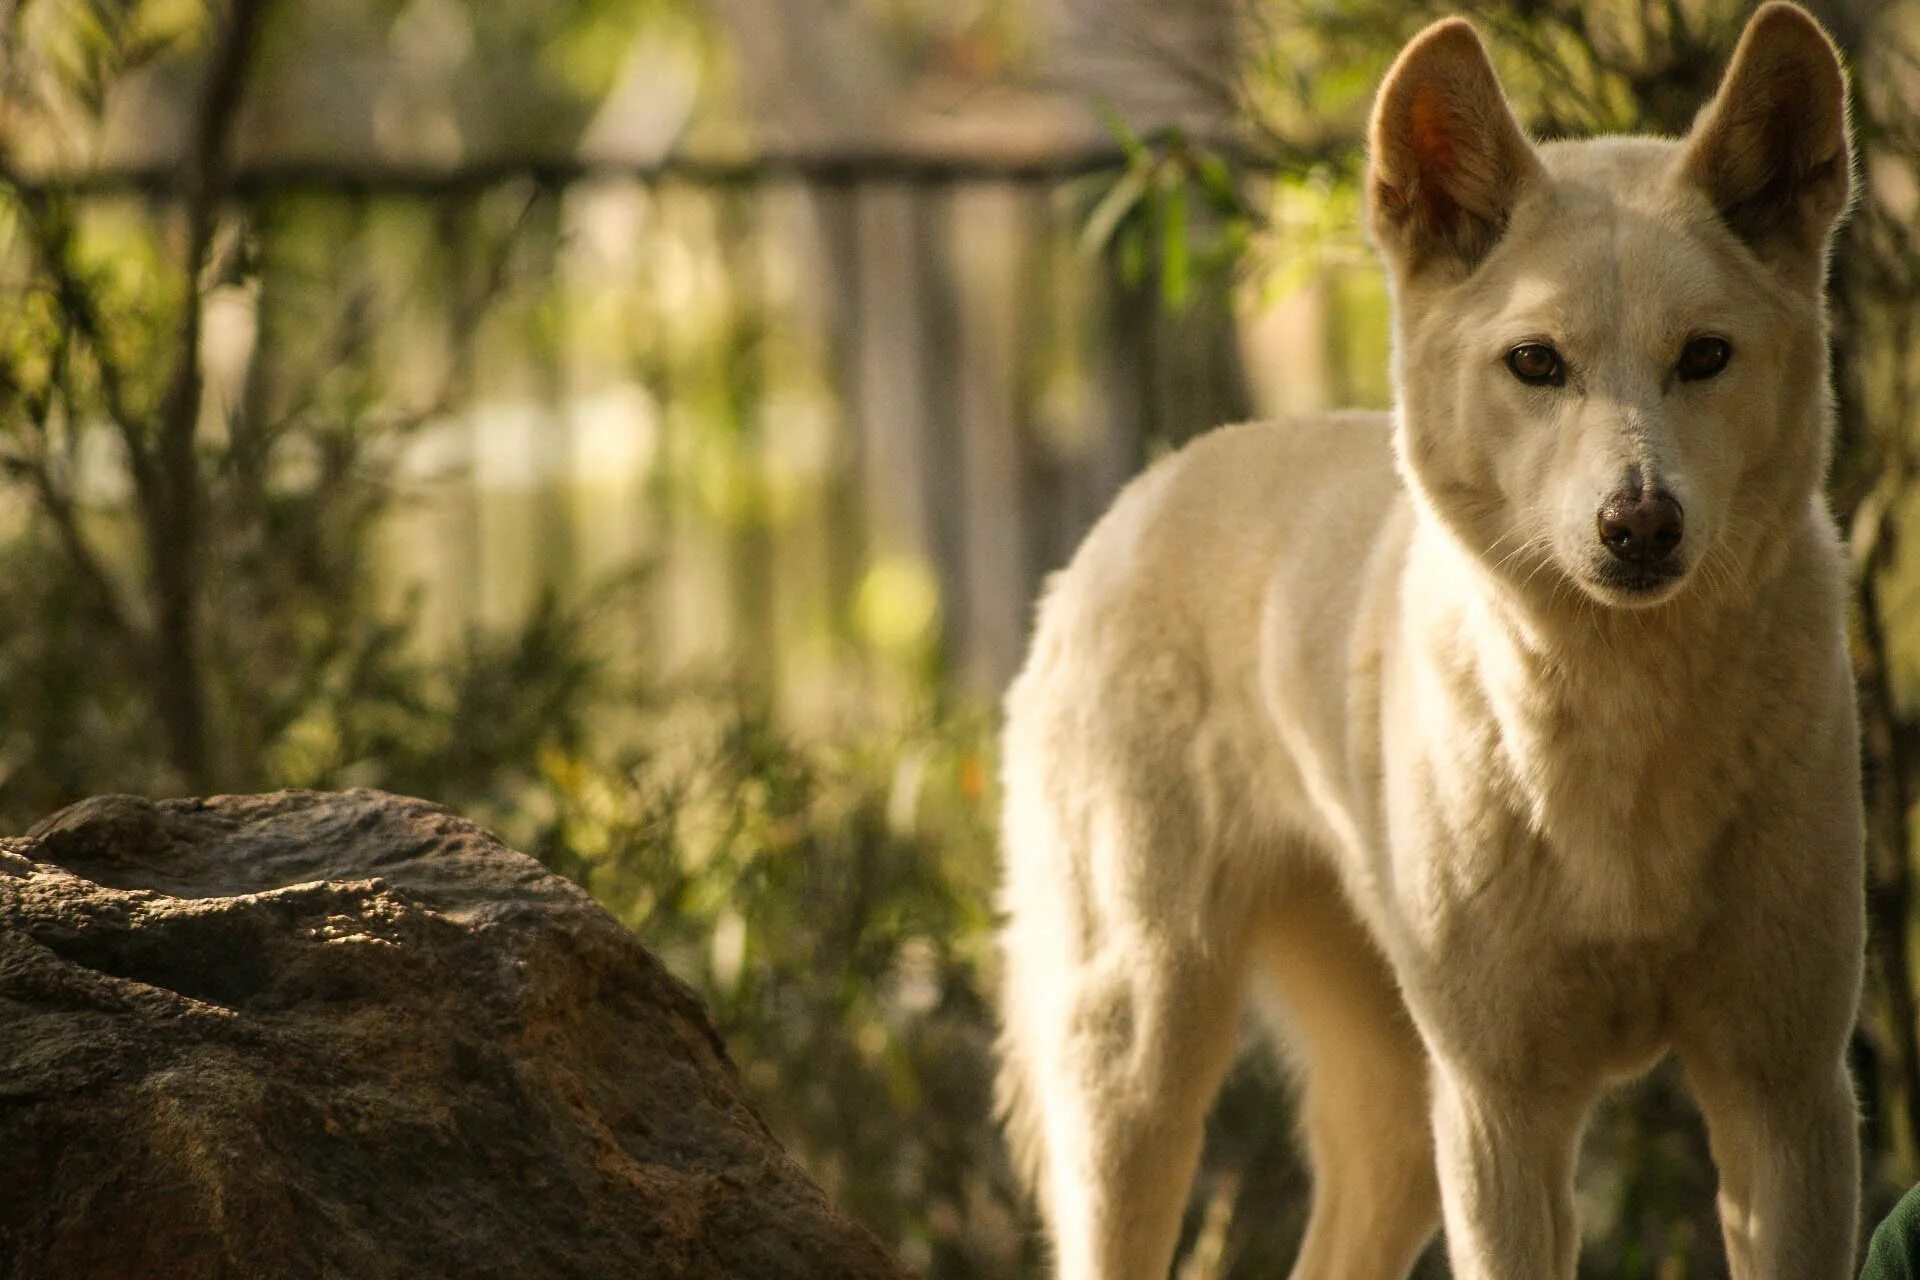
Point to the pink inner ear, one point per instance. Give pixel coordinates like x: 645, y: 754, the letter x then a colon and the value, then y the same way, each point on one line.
x: 1428, y: 118
x: 1432, y: 127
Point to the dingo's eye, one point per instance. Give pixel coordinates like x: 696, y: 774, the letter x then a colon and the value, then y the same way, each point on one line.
x: 1703, y: 358
x: 1537, y: 365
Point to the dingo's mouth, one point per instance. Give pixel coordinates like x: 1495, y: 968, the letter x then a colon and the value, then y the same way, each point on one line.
x: 1636, y: 586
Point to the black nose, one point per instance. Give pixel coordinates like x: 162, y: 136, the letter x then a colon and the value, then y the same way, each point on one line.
x: 1640, y: 528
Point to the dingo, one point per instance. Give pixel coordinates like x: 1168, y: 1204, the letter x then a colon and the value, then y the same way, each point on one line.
x: 1501, y: 746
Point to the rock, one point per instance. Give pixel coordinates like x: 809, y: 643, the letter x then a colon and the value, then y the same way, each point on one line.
x: 352, y: 1035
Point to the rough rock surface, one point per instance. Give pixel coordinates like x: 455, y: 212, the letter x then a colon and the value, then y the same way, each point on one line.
x: 352, y: 1035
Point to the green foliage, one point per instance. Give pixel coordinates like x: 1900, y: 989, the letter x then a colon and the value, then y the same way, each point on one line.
x: 306, y: 679
x: 1140, y: 214
x: 829, y: 903
x: 68, y: 56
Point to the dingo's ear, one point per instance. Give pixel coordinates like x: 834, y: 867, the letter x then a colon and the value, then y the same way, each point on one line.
x: 1773, y: 150
x: 1446, y: 157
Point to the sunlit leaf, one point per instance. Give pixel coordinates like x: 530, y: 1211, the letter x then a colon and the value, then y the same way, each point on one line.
x: 1174, y: 260
x: 1120, y: 201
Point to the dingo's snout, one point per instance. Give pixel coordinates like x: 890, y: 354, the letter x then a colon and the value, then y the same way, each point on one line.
x: 1641, y: 528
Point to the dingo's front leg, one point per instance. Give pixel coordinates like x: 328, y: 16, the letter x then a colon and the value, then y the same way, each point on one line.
x: 1789, y: 1165
x: 1763, y: 1025
x: 1506, y: 1161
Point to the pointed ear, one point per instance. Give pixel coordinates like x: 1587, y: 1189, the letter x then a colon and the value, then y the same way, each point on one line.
x: 1446, y: 157
x: 1772, y: 150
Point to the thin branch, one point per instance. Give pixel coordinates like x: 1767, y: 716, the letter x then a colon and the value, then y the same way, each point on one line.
x: 173, y: 522
x: 51, y: 235
x: 58, y: 505
x: 59, y: 508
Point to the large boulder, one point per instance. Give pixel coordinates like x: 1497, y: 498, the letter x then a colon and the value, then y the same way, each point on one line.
x: 352, y: 1035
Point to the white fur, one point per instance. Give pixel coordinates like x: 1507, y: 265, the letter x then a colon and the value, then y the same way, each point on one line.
x: 1344, y: 709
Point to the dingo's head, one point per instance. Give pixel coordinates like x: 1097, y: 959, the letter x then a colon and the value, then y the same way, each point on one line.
x: 1611, y: 356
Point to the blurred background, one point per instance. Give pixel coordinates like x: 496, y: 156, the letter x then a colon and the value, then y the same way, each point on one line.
x: 644, y: 425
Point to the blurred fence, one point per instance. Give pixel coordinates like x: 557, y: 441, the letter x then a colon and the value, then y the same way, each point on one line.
x: 850, y: 409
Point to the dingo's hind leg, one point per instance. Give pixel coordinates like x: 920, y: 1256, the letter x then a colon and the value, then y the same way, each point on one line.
x: 1364, y: 1103
x: 1124, y: 1086
x: 1120, y: 1012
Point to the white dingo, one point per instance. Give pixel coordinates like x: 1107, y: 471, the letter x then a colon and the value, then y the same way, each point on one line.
x: 1501, y: 745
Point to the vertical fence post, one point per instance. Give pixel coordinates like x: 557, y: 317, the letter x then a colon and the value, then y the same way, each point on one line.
x: 943, y: 475
x: 991, y: 238
x: 553, y: 430
x: 456, y: 225
x: 750, y: 551
x: 1037, y: 343
x: 837, y: 207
